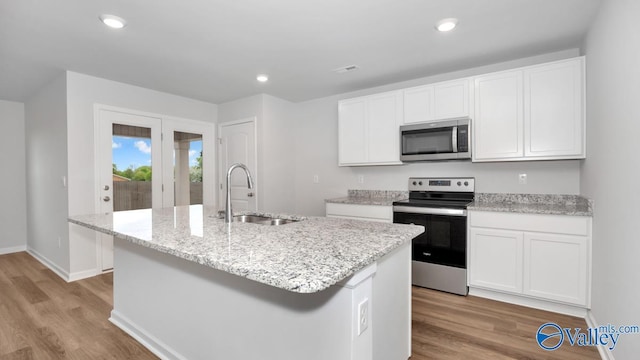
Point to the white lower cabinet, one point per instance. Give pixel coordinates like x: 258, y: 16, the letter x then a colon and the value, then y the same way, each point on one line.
x: 555, y: 267
x: 360, y: 212
x: 544, y: 257
x: 496, y: 259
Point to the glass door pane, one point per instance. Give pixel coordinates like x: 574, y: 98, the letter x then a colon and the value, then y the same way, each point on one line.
x: 187, y: 168
x: 132, y: 170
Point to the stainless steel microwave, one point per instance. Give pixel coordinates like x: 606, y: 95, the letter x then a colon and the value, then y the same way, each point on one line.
x: 436, y: 140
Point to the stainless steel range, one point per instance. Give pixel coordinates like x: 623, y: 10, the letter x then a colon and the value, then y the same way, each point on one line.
x: 439, y: 254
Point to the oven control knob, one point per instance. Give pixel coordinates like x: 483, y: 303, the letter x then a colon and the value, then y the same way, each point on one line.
x: 414, y: 183
x: 459, y: 183
x: 420, y: 183
x: 466, y: 183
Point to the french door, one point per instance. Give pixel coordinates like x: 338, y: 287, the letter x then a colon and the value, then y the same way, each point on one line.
x: 148, y: 161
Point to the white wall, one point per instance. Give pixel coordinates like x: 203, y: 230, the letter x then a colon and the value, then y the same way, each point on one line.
x: 13, y: 190
x: 316, y: 139
x: 278, y: 155
x: 610, y: 173
x: 46, y: 165
x: 275, y: 178
x: 83, y: 92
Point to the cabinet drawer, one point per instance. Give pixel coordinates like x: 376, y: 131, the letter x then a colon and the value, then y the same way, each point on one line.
x: 559, y: 224
x: 365, y: 212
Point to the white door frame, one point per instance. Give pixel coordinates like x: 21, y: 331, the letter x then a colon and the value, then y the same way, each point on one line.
x: 222, y: 173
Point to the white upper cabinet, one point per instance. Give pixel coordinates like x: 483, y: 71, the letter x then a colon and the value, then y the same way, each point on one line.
x: 436, y: 101
x: 498, y: 121
x: 352, y: 126
x: 553, y: 113
x: 532, y: 113
x: 368, y: 130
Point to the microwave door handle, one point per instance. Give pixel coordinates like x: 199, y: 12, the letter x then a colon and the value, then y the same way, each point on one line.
x: 454, y: 139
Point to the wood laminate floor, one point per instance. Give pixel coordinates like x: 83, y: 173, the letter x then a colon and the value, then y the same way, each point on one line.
x: 446, y: 326
x: 43, y: 317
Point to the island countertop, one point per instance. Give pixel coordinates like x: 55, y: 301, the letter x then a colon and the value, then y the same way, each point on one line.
x: 305, y: 256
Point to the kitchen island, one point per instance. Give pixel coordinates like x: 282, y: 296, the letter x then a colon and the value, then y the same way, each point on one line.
x: 189, y: 286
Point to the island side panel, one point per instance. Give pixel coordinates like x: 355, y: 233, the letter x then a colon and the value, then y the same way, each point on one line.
x: 392, y: 311
x: 182, y: 310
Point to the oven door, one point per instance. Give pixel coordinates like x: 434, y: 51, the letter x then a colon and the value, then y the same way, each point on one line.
x: 444, y: 241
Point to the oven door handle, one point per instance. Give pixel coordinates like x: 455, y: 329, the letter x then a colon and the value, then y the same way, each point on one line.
x: 429, y: 211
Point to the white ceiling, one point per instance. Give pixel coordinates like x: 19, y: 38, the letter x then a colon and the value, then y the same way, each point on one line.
x: 212, y: 50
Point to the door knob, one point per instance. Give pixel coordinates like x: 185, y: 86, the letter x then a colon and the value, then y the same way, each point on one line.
x: 250, y: 194
x: 106, y: 198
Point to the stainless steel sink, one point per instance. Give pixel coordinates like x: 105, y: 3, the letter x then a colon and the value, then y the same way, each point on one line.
x: 251, y: 218
x: 263, y: 220
x: 281, y: 221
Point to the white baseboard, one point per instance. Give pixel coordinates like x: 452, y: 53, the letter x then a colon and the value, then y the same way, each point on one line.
x: 604, y: 351
x: 13, y: 249
x: 66, y: 276
x: 530, y: 302
x: 50, y: 264
x: 159, y: 348
x: 79, y: 275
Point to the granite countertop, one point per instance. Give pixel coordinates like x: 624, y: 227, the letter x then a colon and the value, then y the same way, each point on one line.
x: 370, y: 197
x: 305, y: 256
x: 572, y: 205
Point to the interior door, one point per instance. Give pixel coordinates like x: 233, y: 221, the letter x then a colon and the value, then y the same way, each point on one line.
x: 128, y: 154
x: 237, y: 144
x: 189, y: 162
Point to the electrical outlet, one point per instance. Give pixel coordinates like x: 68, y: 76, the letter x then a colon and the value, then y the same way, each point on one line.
x: 360, y: 179
x: 316, y: 179
x: 363, y: 316
x: 522, y: 179
x: 59, y: 242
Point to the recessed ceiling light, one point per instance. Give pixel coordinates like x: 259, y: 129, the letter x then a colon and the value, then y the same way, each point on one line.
x: 445, y: 25
x: 113, y: 21
x: 262, y: 78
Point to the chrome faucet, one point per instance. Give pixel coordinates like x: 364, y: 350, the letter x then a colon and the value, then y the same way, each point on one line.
x: 228, y: 215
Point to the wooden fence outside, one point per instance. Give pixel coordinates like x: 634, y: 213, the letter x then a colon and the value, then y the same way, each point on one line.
x: 133, y: 195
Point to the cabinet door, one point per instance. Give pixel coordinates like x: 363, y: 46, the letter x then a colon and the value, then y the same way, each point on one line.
x: 554, y: 116
x: 555, y: 267
x: 418, y: 104
x: 352, y: 131
x: 498, y: 121
x: 451, y: 99
x: 384, y: 116
x: 495, y: 259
